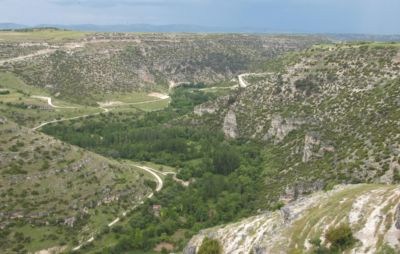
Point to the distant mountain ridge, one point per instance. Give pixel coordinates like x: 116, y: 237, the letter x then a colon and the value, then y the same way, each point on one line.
x: 144, y: 28
x: 184, y: 28
x: 11, y: 26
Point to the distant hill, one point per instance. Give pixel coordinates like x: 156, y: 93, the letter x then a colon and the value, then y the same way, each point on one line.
x: 6, y: 26
x: 184, y: 28
x: 171, y: 28
x: 143, y: 28
x: 365, y: 37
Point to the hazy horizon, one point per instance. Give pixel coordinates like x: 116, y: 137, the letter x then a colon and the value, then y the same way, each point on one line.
x: 301, y: 16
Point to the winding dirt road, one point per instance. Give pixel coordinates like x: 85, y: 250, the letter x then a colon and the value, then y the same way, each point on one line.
x: 243, y: 83
x: 49, y: 101
x: 160, y: 185
x: 103, y: 108
x: 176, y: 179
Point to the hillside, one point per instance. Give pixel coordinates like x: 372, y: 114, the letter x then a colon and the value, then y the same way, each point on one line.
x: 327, y: 115
x: 121, y: 62
x: 55, y: 194
x: 372, y: 211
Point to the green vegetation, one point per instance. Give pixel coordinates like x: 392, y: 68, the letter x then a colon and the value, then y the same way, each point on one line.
x: 210, y: 246
x: 117, y: 63
x: 19, y: 104
x: 4, y: 91
x: 41, y: 35
x: 227, y: 173
x: 230, y: 173
x: 340, y: 237
x: 53, y: 194
x: 325, y: 116
x: 225, y: 160
x: 142, y: 137
x: 320, y: 93
x: 386, y: 249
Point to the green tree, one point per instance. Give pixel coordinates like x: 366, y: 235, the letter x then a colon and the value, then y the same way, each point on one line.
x: 225, y: 160
x: 138, y: 239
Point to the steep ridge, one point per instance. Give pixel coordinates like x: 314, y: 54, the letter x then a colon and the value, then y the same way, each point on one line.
x: 372, y: 211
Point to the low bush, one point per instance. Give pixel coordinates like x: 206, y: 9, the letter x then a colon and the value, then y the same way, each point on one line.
x: 210, y: 246
x: 340, y: 237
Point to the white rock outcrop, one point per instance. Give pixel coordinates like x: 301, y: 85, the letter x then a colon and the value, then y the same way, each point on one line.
x: 230, y: 125
x: 281, y: 127
x: 310, y: 142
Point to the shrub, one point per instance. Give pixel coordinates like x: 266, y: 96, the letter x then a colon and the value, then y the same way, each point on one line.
x: 151, y: 184
x: 340, y: 237
x: 386, y: 249
x: 210, y: 246
x: 3, y: 92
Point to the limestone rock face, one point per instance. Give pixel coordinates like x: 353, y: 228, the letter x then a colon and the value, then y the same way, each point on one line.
x: 281, y: 127
x: 314, y: 147
x: 388, y: 177
x: 230, y: 125
x: 310, y: 142
x: 300, y: 189
x: 190, y: 250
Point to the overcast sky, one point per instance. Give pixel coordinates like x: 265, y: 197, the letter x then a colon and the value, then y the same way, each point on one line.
x: 347, y: 16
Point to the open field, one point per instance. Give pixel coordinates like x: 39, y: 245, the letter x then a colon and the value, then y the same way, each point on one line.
x: 18, y: 102
x: 41, y: 35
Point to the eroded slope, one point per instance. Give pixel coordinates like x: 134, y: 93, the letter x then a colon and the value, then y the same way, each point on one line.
x: 372, y: 211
